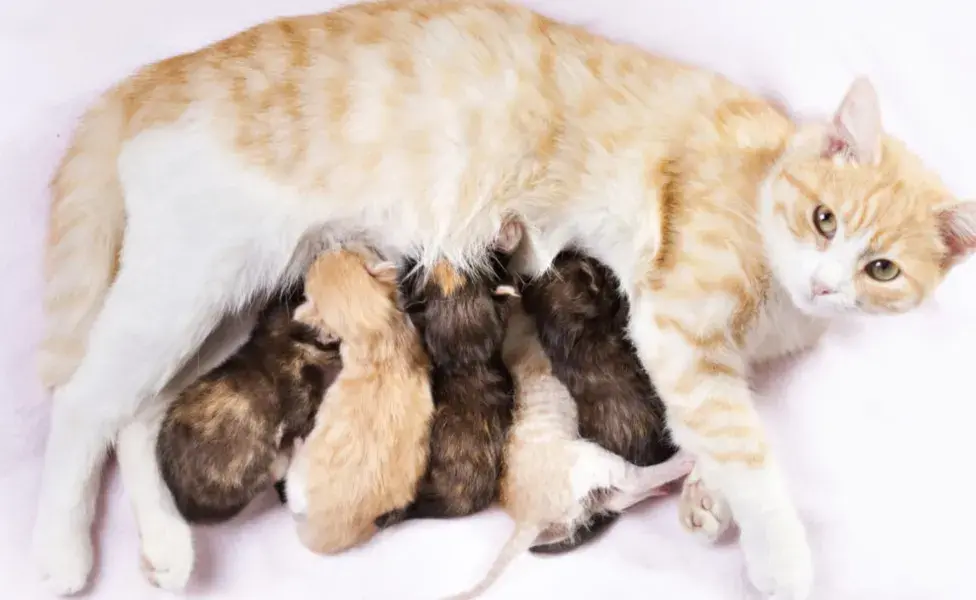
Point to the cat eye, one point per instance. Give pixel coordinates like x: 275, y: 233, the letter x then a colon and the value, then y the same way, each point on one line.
x: 825, y: 221
x: 882, y: 269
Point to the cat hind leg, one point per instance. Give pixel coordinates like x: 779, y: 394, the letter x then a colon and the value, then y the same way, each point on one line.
x: 175, y: 282
x: 165, y: 538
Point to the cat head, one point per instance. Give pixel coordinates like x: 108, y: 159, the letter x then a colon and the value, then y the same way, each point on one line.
x: 854, y: 223
x: 579, y: 293
x: 462, y: 317
x: 350, y: 293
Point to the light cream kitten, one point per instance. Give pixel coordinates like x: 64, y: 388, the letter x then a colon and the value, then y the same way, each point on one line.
x: 205, y: 180
x: 369, y: 447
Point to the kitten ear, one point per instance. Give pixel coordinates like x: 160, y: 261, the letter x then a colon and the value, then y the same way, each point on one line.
x: 957, y: 225
x: 384, y: 272
x: 305, y: 313
x: 854, y: 134
x: 589, y: 274
x: 506, y: 290
x: 509, y: 236
x: 328, y: 337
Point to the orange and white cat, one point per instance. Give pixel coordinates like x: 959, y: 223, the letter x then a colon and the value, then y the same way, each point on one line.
x: 211, y: 178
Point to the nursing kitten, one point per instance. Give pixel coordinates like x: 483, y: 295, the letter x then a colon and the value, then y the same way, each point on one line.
x: 368, y: 449
x: 582, y: 323
x: 209, y: 178
x: 462, y: 320
x: 554, y: 482
x: 226, y: 437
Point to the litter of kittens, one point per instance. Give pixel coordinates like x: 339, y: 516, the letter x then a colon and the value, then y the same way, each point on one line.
x: 313, y: 393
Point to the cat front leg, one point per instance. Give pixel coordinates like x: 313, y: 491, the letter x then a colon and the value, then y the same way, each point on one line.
x: 177, y: 279
x: 700, y: 374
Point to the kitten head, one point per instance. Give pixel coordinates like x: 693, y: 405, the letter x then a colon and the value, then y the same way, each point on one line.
x: 462, y: 317
x: 578, y: 294
x: 854, y: 222
x: 350, y: 294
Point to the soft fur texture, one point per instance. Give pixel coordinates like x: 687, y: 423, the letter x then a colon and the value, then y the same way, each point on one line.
x: 555, y: 482
x: 420, y: 126
x: 582, y: 321
x: 369, y: 447
x: 462, y: 321
x: 227, y: 436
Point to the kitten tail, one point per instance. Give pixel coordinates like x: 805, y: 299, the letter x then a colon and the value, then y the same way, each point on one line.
x: 84, y: 238
x: 597, y: 525
x: 520, y: 541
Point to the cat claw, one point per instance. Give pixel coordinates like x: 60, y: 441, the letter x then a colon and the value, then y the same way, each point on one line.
x: 702, y: 512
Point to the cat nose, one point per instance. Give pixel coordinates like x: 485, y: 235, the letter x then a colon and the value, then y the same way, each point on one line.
x: 819, y: 288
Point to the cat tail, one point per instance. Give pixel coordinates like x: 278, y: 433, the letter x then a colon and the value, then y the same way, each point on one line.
x: 520, y: 541
x: 593, y: 528
x: 85, y: 228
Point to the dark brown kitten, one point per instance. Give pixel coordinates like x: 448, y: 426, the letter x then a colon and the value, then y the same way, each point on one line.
x: 227, y: 436
x: 582, y: 320
x: 462, y: 321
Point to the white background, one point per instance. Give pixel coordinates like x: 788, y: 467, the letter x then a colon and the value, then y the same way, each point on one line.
x: 876, y: 428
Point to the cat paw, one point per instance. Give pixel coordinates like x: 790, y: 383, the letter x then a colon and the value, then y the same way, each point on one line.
x: 703, y: 512
x: 167, y: 552
x: 778, y: 560
x: 62, y: 555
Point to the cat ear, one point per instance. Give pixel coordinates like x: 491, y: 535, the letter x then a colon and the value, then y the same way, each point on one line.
x: 957, y: 225
x: 509, y: 236
x: 506, y: 290
x: 854, y: 134
x: 305, y: 313
x: 589, y: 274
x: 385, y: 272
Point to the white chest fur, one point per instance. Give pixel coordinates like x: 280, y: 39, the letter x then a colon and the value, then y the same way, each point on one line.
x: 781, y: 329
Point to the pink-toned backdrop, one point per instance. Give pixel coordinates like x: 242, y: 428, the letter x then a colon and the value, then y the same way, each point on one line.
x: 876, y: 428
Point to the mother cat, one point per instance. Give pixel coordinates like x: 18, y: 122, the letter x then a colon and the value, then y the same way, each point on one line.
x: 210, y: 179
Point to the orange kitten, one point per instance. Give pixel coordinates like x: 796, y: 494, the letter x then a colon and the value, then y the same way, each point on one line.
x: 369, y: 447
x: 418, y: 126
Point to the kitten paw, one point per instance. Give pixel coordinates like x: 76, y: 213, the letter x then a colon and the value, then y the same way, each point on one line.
x: 167, y: 552
x: 778, y: 560
x: 703, y: 512
x: 62, y: 555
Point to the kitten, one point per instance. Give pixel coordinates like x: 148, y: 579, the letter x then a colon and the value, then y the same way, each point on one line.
x: 226, y: 437
x: 554, y: 482
x: 462, y: 320
x: 210, y: 178
x: 582, y: 322
x: 368, y: 449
